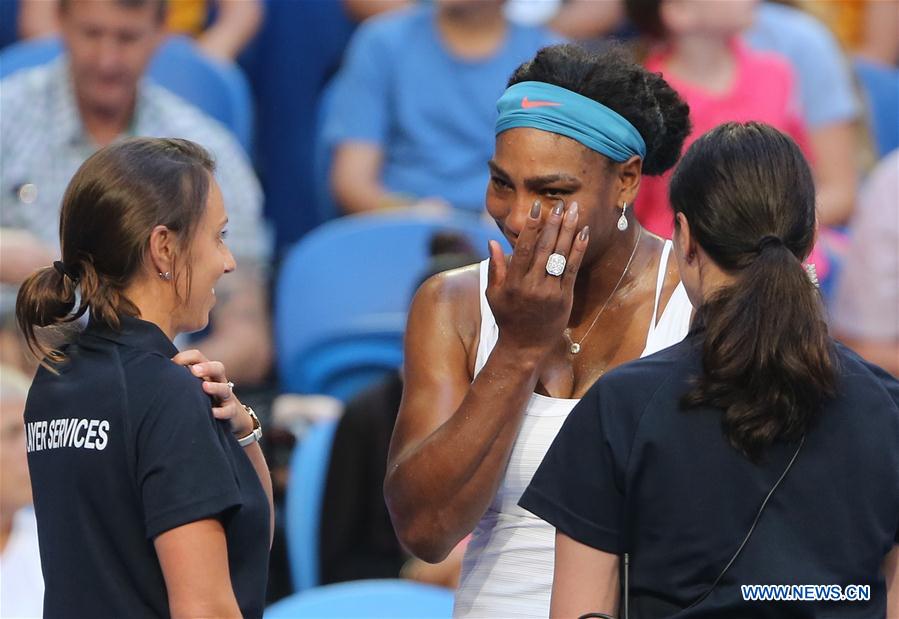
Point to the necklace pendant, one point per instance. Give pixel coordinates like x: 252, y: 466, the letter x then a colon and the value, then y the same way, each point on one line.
x: 575, y: 348
x: 622, y: 222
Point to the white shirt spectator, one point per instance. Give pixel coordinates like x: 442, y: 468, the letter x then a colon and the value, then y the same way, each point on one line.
x: 867, y: 299
x: 21, y: 581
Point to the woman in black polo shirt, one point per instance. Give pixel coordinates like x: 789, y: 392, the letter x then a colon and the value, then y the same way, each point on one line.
x: 151, y: 493
x: 757, y: 451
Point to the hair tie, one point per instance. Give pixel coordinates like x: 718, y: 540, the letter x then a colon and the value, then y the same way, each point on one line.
x: 64, y: 271
x: 558, y: 110
x: 769, y: 240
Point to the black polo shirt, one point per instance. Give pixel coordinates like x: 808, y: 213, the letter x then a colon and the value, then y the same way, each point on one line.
x: 632, y: 472
x: 122, y: 446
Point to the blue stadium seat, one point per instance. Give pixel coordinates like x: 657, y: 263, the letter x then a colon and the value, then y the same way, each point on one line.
x: 341, y: 366
x: 343, y: 292
x: 367, y: 599
x: 217, y: 88
x: 880, y: 84
x: 305, y: 490
x: 27, y: 54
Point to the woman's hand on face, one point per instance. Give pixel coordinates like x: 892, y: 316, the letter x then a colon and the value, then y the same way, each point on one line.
x: 531, y: 306
x: 226, y: 405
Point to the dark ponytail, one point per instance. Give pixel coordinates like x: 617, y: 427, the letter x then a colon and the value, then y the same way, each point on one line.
x: 47, y: 297
x: 612, y: 78
x: 768, y: 361
x: 109, y: 209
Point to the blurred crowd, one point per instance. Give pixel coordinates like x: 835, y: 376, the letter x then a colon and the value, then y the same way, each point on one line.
x: 363, y: 106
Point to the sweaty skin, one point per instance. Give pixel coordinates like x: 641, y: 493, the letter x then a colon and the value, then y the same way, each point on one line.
x: 454, y: 434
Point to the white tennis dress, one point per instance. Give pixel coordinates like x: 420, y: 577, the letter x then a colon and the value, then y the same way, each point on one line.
x: 508, y: 567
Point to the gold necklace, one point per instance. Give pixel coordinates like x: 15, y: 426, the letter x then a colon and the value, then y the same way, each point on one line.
x: 575, y: 347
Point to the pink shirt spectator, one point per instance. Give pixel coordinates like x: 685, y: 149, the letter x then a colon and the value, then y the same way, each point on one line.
x: 763, y: 90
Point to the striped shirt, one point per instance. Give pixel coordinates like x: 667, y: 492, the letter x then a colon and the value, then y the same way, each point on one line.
x: 43, y: 142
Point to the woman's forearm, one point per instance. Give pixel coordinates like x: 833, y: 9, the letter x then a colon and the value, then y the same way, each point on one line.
x: 437, y: 491
x: 585, y: 580
x: 891, y: 574
x: 257, y: 459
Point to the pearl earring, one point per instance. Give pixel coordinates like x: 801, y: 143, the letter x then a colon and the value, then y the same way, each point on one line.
x: 622, y: 221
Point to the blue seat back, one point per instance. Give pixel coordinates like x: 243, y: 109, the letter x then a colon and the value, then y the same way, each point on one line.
x: 344, y: 365
x: 372, y: 599
x: 880, y: 84
x: 352, y: 279
x: 27, y: 54
x: 303, y: 503
x: 217, y: 88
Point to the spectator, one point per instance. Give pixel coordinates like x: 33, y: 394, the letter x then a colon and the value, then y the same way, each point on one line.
x: 574, y: 19
x: 415, y: 102
x: 880, y: 33
x: 21, y: 582
x: 588, y: 19
x: 234, y: 25
x: 56, y: 115
x: 866, y: 28
x: 829, y: 105
x: 866, y: 308
x: 360, y: 10
x: 696, y: 46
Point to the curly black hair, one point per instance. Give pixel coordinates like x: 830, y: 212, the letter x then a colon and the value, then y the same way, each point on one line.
x: 613, y: 79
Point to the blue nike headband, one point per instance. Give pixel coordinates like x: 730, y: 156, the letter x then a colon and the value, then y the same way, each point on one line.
x: 552, y: 108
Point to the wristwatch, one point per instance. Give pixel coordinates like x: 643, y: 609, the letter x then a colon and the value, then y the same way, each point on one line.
x: 256, y: 434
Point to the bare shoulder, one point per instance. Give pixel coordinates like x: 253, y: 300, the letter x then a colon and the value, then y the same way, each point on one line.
x: 456, y: 286
x: 450, y: 302
x: 451, y: 294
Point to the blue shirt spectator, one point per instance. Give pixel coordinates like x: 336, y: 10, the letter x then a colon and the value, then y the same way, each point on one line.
x: 428, y: 112
x: 829, y: 104
x: 825, y: 81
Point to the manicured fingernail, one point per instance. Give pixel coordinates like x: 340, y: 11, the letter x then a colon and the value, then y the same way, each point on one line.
x: 585, y: 233
x: 535, y: 210
x: 196, y: 368
x: 559, y: 208
x: 572, y: 211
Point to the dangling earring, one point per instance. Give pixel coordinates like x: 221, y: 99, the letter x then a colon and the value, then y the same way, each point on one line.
x: 167, y: 276
x: 622, y: 221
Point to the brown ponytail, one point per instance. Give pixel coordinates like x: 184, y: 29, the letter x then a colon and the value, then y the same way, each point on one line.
x: 46, y: 298
x: 768, y: 361
x: 109, y: 209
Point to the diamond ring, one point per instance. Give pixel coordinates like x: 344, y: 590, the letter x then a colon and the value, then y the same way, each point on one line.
x: 555, y: 265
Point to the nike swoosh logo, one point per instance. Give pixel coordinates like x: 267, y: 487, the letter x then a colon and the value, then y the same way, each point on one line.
x: 525, y: 104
